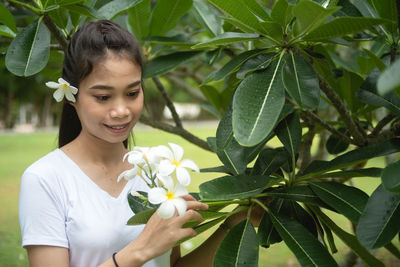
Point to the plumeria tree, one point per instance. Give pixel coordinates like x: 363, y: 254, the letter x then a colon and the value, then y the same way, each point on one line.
x: 317, y: 73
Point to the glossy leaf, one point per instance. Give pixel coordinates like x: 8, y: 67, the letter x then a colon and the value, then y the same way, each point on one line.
x: 342, y: 26
x: 266, y: 233
x: 368, y: 172
x: 307, y: 249
x: 29, y: 51
x: 203, y: 227
x: 347, y: 200
x: 357, y: 155
x: 387, y: 10
x: 335, y: 145
x: 5, y: 31
x: 301, y: 82
x: 138, y: 204
x: 84, y: 10
x: 139, y: 18
x: 348, y: 9
x: 255, y: 63
x: 309, y: 15
x: 380, y: 221
x: 391, y: 102
x: 350, y: 240
x: 166, y: 14
x: 301, y: 193
x: 282, y: 12
x: 238, y: 10
x: 7, y: 18
x: 234, y: 64
x: 226, y: 38
x: 239, y: 248
x: 116, y: 7
x: 165, y: 63
x: 257, y: 103
x: 207, y: 17
x: 270, y: 160
x: 176, y: 40
x: 389, y: 79
x: 257, y: 9
x: 391, y: 177
x: 235, y: 187
x: 141, y: 217
x: 289, y: 133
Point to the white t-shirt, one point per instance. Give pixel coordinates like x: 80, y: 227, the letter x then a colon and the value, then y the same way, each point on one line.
x: 61, y: 206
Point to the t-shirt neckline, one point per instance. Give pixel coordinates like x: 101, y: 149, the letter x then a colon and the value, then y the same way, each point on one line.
x: 98, y: 188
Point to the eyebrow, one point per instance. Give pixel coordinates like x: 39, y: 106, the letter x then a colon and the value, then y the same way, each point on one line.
x: 107, y: 87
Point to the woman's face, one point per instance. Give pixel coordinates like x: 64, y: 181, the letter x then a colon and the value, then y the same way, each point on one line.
x: 110, y: 99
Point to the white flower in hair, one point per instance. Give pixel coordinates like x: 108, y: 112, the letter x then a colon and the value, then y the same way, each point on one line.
x: 63, y: 89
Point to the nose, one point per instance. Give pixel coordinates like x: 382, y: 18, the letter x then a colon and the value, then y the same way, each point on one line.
x: 120, y: 110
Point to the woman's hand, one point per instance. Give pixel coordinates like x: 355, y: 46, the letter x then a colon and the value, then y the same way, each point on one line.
x: 255, y: 217
x: 160, y: 235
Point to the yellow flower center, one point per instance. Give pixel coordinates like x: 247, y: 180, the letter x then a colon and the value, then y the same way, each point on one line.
x: 64, y: 86
x: 176, y: 163
x: 170, y: 195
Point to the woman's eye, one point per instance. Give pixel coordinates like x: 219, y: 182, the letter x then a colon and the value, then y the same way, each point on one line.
x: 102, y: 97
x: 133, y: 93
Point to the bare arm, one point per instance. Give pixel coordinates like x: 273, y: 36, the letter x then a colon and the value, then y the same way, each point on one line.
x: 48, y: 256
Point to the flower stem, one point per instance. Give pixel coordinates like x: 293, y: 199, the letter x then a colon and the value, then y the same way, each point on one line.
x: 255, y: 200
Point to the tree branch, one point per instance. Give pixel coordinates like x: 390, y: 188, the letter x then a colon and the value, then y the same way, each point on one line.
x: 168, y: 101
x: 355, y: 130
x: 382, y: 123
x: 56, y: 33
x: 314, y: 117
x: 176, y: 130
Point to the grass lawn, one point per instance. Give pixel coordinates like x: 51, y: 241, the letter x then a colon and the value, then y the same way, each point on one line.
x: 18, y: 151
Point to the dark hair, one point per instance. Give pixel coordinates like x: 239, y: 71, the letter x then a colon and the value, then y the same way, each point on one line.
x: 88, y: 46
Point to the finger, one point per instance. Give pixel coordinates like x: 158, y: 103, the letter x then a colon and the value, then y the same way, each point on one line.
x: 196, y: 205
x: 191, y: 215
x: 188, y: 198
x: 187, y: 232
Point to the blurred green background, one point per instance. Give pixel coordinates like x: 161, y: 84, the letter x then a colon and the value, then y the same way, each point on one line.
x: 18, y: 151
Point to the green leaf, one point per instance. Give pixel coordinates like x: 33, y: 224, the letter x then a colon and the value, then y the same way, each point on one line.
x: 207, y: 17
x: 347, y: 87
x: 377, y: 61
x: 165, y: 63
x: 83, y: 10
x: 228, y: 149
x: 239, y: 248
x: 137, y: 204
x: 389, y: 79
x: 349, y: 240
x: 342, y: 26
x: 387, y: 10
x: 257, y: 103
x: 282, y: 12
x: 177, y: 40
x: 225, y: 39
x: 309, y: 15
x: 355, y: 156
x: 266, y: 233
x: 203, y: 227
x: 289, y: 133
x: 7, y: 18
x: 239, y: 10
x: 257, y: 9
x: 368, y: 172
x: 391, y: 178
x: 60, y: 17
x: 307, y: 249
x: 380, y: 221
x: 139, y: 18
x: 348, y: 9
x: 269, y: 161
x: 166, y: 15
x: 258, y: 62
x: 301, y: 82
x: 141, y: 217
x: 335, y: 145
x: 235, y: 187
x: 347, y: 200
x: 233, y: 64
x: 5, y: 31
x: 392, y: 103
x: 116, y: 7
x: 29, y: 51
x: 301, y: 193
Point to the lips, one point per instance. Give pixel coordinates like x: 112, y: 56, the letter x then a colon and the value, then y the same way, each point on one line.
x: 120, y: 128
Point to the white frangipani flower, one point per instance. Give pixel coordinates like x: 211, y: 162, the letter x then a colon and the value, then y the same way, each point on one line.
x: 173, y: 162
x: 63, y: 89
x: 143, y: 155
x: 170, y: 198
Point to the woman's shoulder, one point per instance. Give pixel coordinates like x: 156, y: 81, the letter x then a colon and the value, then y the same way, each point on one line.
x: 46, y: 166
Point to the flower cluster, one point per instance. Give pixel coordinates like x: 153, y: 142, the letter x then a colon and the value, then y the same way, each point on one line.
x: 157, y: 166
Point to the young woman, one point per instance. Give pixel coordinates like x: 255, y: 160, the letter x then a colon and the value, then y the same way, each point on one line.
x: 73, y: 212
